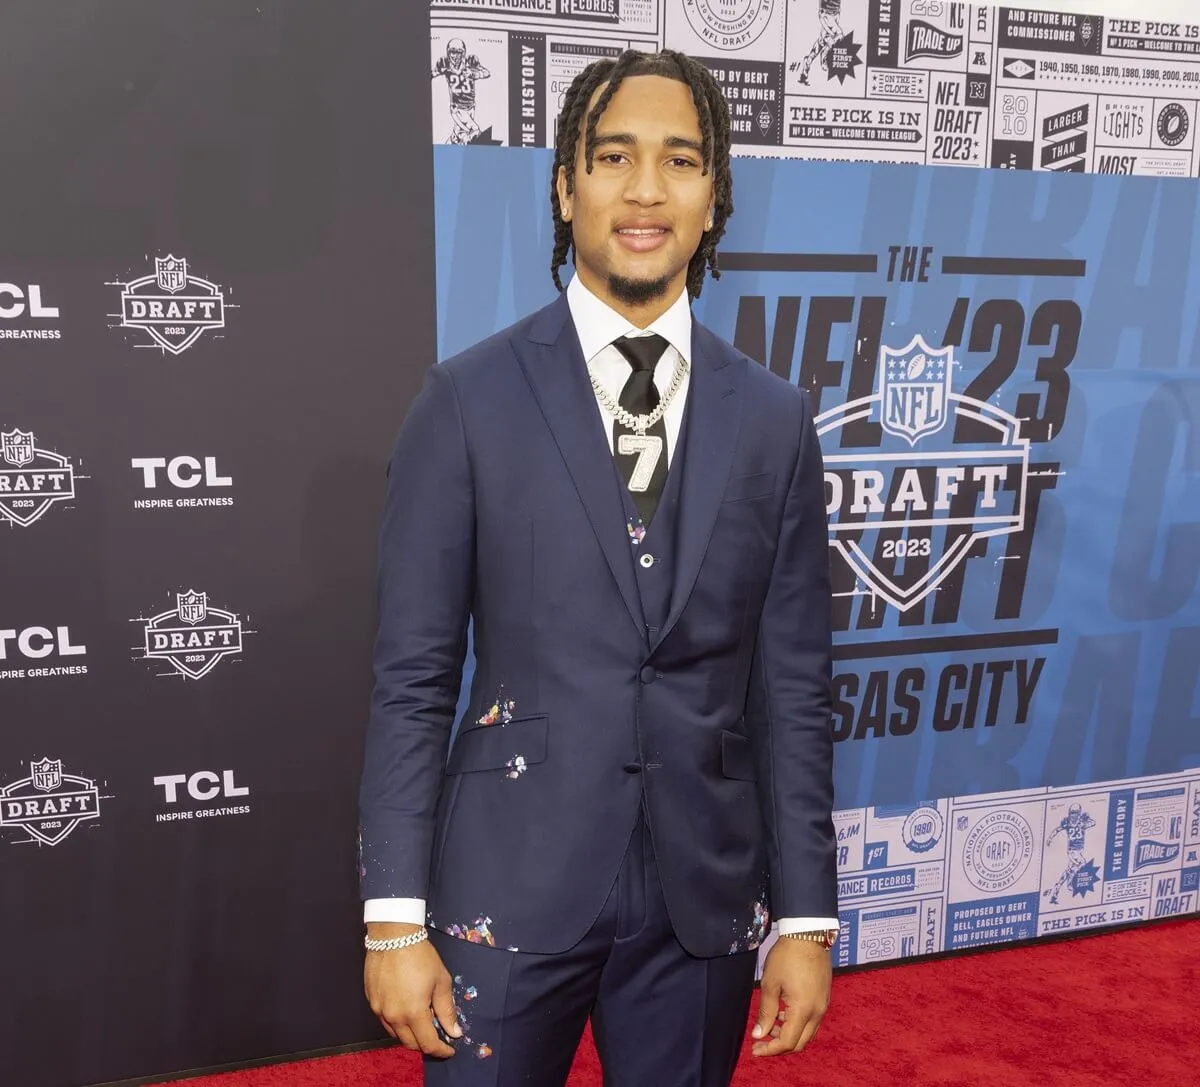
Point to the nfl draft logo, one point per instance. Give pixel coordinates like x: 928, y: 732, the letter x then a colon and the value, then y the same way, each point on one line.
x: 170, y: 273
x: 728, y: 24
x: 31, y: 479
x: 16, y: 446
x: 915, y: 389
x: 173, y: 307
x: 46, y: 775
x: 193, y: 607
x: 998, y: 850
x: 193, y: 637
x: 48, y: 804
x: 903, y: 517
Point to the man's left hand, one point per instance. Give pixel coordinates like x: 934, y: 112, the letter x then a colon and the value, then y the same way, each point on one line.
x: 796, y: 982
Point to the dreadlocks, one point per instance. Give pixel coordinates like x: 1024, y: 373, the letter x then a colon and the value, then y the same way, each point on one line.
x: 714, y: 126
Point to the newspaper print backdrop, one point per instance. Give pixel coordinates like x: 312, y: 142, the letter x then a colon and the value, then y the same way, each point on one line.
x: 916, y: 81
x: 976, y: 870
x: 1003, y: 365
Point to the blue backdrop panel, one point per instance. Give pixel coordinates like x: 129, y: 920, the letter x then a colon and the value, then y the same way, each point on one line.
x: 1006, y: 373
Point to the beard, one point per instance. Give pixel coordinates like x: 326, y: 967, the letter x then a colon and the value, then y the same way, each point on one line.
x: 638, y: 292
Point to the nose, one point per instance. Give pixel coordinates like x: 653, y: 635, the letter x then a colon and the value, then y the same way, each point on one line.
x: 645, y: 185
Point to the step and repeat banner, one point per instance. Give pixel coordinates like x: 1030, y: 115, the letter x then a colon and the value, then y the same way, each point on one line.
x: 216, y: 303
x: 1005, y: 367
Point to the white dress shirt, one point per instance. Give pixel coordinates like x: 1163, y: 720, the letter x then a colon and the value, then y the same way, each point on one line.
x: 598, y: 325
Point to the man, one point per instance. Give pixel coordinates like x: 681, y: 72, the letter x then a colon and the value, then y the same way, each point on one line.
x: 1076, y: 823
x: 461, y: 73
x: 632, y: 512
x: 829, y: 16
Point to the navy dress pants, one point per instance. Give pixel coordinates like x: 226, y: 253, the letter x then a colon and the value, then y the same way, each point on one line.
x: 660, y: 1017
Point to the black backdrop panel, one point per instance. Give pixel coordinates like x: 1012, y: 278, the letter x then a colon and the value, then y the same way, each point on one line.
x: 188, y: 509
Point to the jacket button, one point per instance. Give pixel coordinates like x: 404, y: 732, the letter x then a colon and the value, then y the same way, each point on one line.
x: 647, y: 560
x: 647, y: 674
x: 632, y: 768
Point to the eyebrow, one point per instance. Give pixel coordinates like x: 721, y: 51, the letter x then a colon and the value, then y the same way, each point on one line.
x: 628, y: 139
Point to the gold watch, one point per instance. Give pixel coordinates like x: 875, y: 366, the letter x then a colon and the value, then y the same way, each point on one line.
x: 825, y: 937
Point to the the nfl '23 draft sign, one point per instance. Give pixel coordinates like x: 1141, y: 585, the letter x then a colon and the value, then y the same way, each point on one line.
x: 1006, y: 372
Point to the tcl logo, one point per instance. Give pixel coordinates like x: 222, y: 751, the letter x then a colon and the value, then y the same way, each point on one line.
x: 38, y: 642
x: 182, y: 472
x: 13, y: 299
x: 202, y: 785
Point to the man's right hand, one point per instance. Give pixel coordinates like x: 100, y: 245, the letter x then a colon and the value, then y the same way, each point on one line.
x: 403, y: 985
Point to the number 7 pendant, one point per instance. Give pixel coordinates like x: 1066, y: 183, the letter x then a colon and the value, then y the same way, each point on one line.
x: 648, y: 448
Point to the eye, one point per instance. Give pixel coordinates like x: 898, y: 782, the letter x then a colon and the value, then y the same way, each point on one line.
x: 683, y: 163
x: 611, y: 157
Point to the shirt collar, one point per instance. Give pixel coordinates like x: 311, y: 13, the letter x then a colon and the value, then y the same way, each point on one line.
x: 598, y: 324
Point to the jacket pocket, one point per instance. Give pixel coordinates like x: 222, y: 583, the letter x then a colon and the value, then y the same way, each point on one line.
x: 737, y: 757
x: 744, y: 488
x: 490, y: 747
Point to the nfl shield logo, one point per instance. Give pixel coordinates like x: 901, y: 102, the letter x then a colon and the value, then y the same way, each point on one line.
x: 193, y: 607
x: 914, y: 389
x: 16, y: 446
x: 47, y: 775
x: 171, y: 273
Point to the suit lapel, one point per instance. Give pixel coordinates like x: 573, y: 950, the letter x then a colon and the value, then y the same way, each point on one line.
x: 714, y: 416
x: 554, y: 366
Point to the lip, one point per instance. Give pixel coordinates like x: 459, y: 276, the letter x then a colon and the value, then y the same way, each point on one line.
x: 642, y: 235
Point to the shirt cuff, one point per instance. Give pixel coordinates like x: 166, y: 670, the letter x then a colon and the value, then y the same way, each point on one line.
x: 408, y: 911
x: 411, y: 911
x: 784, y: 925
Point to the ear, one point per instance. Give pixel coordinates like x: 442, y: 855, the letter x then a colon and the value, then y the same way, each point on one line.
x: 564, y: 194
x: 712, y: 212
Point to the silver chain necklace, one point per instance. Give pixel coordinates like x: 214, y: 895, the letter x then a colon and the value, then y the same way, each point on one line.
x: 639, y: 424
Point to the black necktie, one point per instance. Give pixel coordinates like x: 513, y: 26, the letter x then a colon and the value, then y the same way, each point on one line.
x: 640, y: 397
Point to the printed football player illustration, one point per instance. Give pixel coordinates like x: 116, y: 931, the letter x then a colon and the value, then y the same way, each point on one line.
x: 830, y: 16
x: 461, y: 71
x: 1076, y: 823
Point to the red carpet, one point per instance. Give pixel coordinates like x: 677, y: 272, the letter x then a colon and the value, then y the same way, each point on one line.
x: 1115, y: 1010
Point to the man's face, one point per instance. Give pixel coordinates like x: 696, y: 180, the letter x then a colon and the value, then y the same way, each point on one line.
x: 638, y: 217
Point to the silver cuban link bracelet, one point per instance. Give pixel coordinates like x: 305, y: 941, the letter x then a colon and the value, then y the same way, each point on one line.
x: 396, y: 942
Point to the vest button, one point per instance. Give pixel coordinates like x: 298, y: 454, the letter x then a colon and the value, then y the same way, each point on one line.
x: 632, y: 768
x: 647, y: 560
x: 647, y: 674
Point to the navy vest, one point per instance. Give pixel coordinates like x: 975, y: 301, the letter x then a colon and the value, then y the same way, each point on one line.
x: 652, y: 548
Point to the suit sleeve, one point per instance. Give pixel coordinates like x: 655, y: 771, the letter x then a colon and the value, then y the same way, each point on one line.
x: 789, y: 707
x: 426, y: 577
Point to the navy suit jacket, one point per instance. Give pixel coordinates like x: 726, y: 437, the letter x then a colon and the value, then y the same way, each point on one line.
x: 503, y: 506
